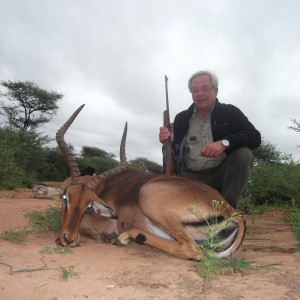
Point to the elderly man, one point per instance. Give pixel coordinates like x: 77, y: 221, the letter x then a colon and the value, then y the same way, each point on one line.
x: 213, y: 139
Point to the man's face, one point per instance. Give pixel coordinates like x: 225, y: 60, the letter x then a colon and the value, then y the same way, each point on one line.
x: 204, y: 96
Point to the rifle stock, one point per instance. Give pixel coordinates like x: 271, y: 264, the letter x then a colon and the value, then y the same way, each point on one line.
x: 168, y: 149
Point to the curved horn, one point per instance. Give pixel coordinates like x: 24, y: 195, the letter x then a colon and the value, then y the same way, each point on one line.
x: 123, y: 159
x: 123, y: 164
x: 65, y: 149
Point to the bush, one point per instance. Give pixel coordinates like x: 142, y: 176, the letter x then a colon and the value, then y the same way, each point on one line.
x: 101, y: 164
x: 53, y: 167
x: 12, y: 173
x: 21, y: 154
x: 142, y: 163
x: 274, y: 183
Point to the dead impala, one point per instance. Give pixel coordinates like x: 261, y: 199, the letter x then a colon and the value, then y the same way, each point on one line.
x: 173, y: 214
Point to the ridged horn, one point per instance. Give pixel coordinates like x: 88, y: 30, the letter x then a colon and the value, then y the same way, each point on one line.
x: 123, y: 159
x: 65, y: 149
x: 123, y: 164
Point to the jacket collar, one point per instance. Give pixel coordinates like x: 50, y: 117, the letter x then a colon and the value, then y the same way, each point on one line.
x: 191, y: 109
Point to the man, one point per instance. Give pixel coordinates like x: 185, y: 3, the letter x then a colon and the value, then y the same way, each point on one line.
x: 212, y: 140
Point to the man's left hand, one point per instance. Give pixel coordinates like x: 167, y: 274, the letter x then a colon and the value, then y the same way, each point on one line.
x: 213, y: 149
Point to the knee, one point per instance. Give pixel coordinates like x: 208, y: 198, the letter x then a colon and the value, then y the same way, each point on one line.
x: 242, y: 157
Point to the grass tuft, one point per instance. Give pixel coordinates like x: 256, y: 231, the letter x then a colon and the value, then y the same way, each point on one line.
x: 236, y: 264
x: 67, y: 273
x: 54, y: 250
x: 49, y: 219
x: 14, y: 236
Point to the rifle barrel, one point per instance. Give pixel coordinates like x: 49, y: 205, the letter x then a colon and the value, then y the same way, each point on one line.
x: 167, y: 94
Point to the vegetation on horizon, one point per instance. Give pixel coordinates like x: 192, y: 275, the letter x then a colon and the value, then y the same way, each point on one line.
x: 275, y: 176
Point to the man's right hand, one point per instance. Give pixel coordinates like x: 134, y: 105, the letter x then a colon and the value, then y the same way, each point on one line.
x: 164, y: 133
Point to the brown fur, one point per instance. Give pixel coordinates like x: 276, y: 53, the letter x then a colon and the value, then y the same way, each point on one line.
x: 137, y: 197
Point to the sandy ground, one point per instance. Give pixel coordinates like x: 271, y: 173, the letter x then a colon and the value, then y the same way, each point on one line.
x: 141, y: 272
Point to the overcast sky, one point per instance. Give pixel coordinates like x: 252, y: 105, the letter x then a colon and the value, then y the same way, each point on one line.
x: 113, y: 55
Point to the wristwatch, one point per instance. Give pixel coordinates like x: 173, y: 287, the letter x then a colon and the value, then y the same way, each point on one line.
x: 225, y: 143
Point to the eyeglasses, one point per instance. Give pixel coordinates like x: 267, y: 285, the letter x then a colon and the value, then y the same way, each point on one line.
x: 204, y: 90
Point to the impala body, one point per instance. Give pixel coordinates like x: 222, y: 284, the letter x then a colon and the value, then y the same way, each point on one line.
x: 170, y: 213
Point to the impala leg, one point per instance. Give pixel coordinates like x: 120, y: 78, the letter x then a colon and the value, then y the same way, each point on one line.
x: 184, y: 247
x: 168, y: 205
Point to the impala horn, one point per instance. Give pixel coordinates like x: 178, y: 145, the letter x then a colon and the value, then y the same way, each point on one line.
x: 123, y: 164
x: 65, y: 149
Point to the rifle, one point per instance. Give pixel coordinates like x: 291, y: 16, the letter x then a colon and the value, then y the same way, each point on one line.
x: 168, y: 163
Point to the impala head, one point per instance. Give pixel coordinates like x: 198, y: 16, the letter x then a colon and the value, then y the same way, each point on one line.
x: 78, y: 199
x: 79, y: 195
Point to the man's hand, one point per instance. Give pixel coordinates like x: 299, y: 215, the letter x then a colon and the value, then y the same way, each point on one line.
x: 213, y: 149
x: 164, y: 133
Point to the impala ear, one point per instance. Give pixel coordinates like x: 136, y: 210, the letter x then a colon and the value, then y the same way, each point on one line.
x: 46, y: 190
x: 103, y: 211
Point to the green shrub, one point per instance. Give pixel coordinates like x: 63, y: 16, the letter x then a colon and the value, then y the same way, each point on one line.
x: 21, y: 154
x: 274, y: 183
x: 101, y: 164
x: 294, y: 213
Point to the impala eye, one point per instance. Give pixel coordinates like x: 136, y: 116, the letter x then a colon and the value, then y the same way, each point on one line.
x: 90, y: 206
x: 64, y: 198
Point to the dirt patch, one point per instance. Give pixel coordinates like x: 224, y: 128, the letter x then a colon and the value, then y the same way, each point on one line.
x: 104, y: 271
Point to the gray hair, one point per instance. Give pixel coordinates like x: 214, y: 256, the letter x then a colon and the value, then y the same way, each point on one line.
x: 213, y: 78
